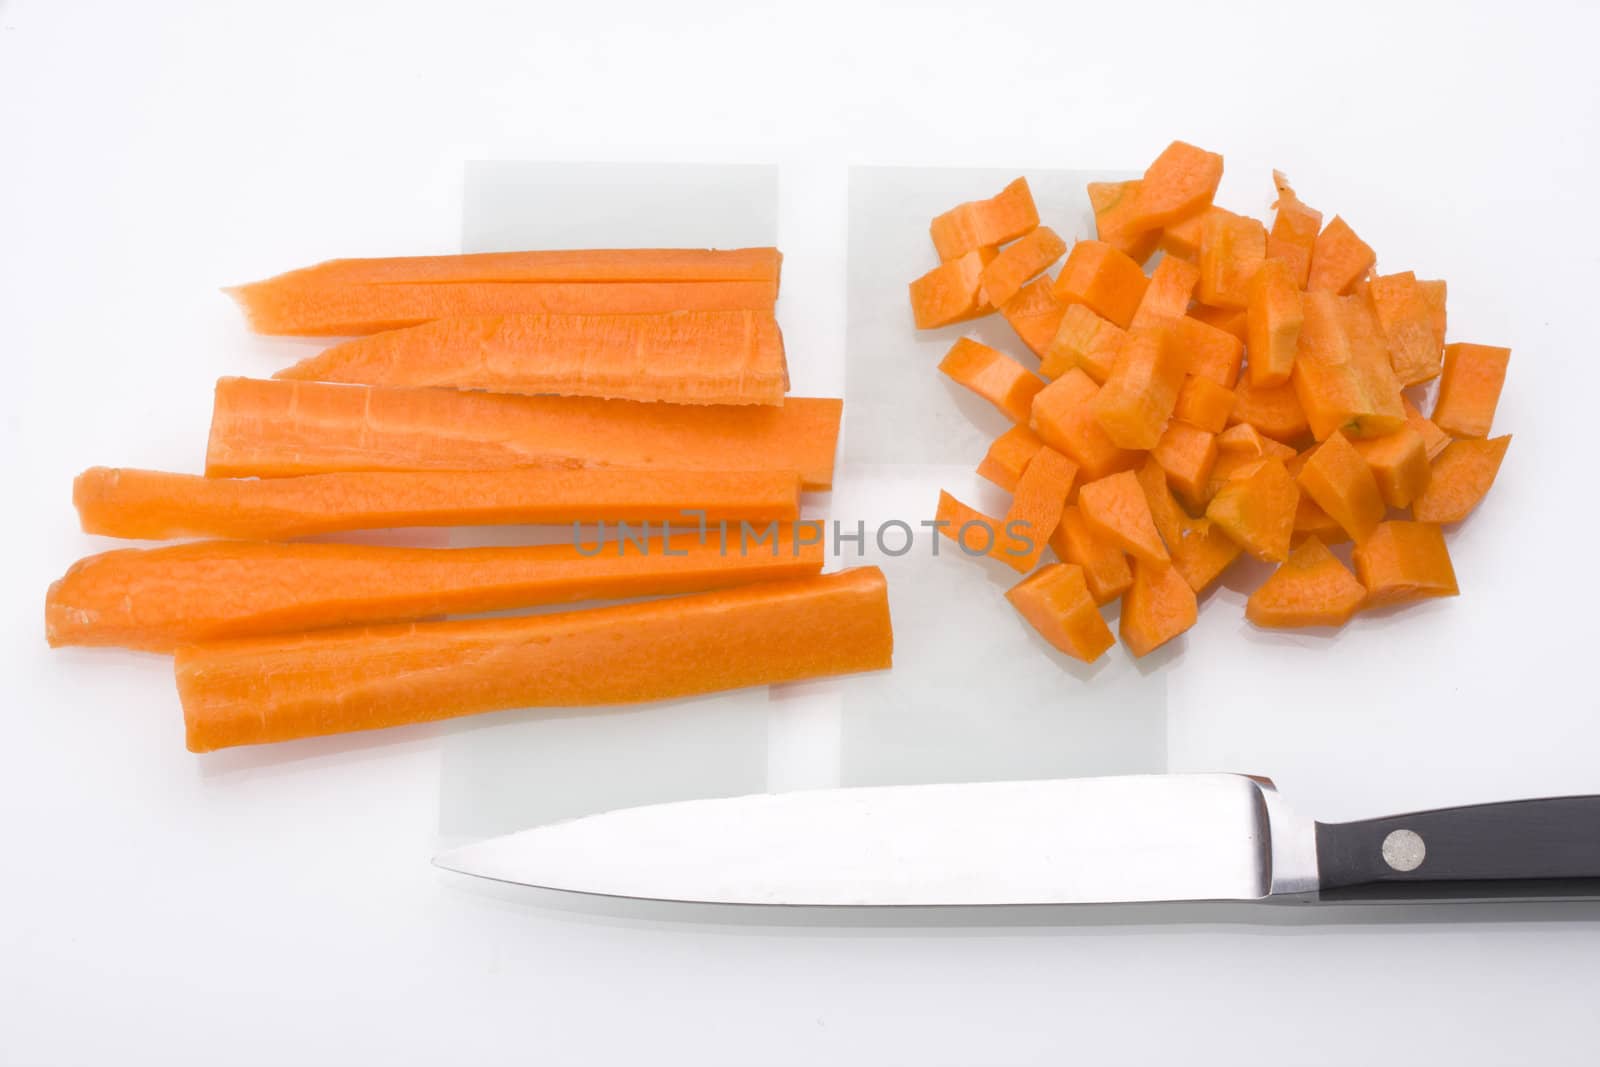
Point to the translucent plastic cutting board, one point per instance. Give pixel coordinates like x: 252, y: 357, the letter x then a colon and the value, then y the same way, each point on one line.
x: 973, y: 693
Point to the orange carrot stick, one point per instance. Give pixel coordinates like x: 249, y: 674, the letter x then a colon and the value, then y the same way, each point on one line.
x: 160, y: 598
x: 157, y: 505
x: 1469, y: 389
x: 357, y: 296
x: 681, y: 357
x: 264, y: 689
x: 276, y: 429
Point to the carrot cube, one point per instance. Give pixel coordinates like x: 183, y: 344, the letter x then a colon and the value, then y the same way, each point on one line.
x: 1157, y: 607
x: 1404, y: 561
x: 993, y: 375
x: 1231, y: 250
x: 1245, y: 438
x: 1019, y: 261
x: 1310, y: 588
x: 1461, y: 478
x: 1273, y: 410
x: 1341, y: 370
x: 1272, y: 323
x: 950, y: 292
x: 1435, y: 438
x: 1113, y: 204
x: 1105, y: 566
x: 1166, y: 298
x: 1186, y: 455
x: 1182, y: 180
x: 1342, y: 484
x: 1008, y: 456
x: 1137, y: 399
x: 1083, y: 340
x: 1108, y: 281
x: 1036, y: 508
x: 1339, y: 258
x: 1399, y: 462
x: 1064, y: 418
x: 1256, y: 508
x: 1209, y: 351
x: 1200, y: 549
x: 1056, y: 602
x: 1204, y: 404
x: 1407, y: 321
x: 1469, y: 389
x: 1116, y: 507
x: 985, y: 223
x: 1228, y: 320
x: 1035, y: 314
x: 1294, y: 232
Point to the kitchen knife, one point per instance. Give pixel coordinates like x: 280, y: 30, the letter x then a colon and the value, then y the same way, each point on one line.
x: 1181, y: 837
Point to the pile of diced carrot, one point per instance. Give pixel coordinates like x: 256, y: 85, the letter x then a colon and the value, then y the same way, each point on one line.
x: 1258, y: 392
x: 641, y: 386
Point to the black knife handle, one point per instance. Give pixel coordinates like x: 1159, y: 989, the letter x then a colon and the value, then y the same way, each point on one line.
x: 1521, y: 848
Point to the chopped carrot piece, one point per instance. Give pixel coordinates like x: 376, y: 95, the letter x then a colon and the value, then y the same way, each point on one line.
x: 1461, y: 478
x: 1035, y: 314
x: 1272, y: 321
x: 1182, y: 180
x: 1182, y: 238
x: 1339, y: 259
x: 1083, y: 340
x: 1112, y: 202
x: 272, y: 429
x: 1137, y: 400
x: 1250, y: 441
x: 1203, y: 403
x: 680, y: 357
x: 1469, y: 389
x: 985, y: 223
x: 1435, y: 438
x: 1200, y: 550
x: 345, y: 297
x: 1209, y: 351
x: 1227, y: 465
x: 1109, y: 282
x: 1232, y: 248
x: 1342, y: 484
x: 1040, y: 497
x: 1228, y: 320
x: 1434, y: 293
x: 1311, y: 521
x: 1404, y: 561
x: 1105, y: 566
x: 160, y: 598
x: 993, y: 375
x: 1407, y: 323
x: 1009, y: 455
x: 1056, y: 602
x: 1310, y: 588
x: 1341, y: 370
x: 951, y: 292
x: 1157, y: 607
x: 1019, y: 261
x: 1294, y: 231
x: 1187, y: 456
x: 155, y: 505
x: 1166, y: 299
x: 262, y: 689
x: 1256, y: 508
x: 1399, y: 462
x: 1064, y: 418
x: 975, y: 533
x: 1274, y: 410
x: 1115, y: 506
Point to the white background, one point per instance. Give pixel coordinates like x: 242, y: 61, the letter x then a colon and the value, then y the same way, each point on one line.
x: 156, y: 908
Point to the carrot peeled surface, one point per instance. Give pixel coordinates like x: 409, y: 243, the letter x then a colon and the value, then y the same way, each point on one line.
x: 1136, y: 402
x: 1404, y: 561
x: 1116, y: 507
x: 1339, y: 258
x: 1461, y: 478
x: 276, y: 429
x: 1036, y: 507
x: 1008, y: 455
x: 951, y: 292
x: 976, y: 224
x: 1035, y: 314
x: 682, y: 357
x: 1056, y: 602
x: 1310, y: 588
x: 157, y: 505
x: 1018, y: 262
x: 1085, y: 340
x: 1469, y: 389
x: 257, y: 690
x: 1157, y: 607
x: 1106, y: 280
x: 993, y: 375
x: 157, y: 599
x: 1105, y: 566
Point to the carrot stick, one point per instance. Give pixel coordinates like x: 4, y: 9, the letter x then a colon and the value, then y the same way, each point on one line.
x: 681, y: 357
x: 156, y: 505
x: 357, y: 296
x: 257, y: 690
x: 160, y: 598
x: 274, y: 429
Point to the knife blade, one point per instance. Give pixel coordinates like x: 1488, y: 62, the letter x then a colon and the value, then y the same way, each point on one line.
x: 1137, y: 838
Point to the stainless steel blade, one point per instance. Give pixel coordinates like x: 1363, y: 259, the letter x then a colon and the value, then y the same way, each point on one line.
x: 1085, y: 840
